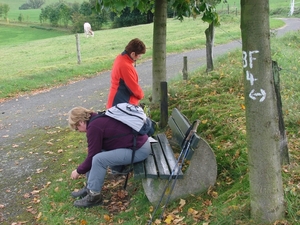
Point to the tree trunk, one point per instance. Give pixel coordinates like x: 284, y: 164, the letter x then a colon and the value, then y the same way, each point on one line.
x: 159, y: 48
x: 266, y: 188
x: 209, y: 33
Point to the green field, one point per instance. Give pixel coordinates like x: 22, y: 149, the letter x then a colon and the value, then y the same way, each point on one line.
x: 10, y: 36
x: 30, y: 15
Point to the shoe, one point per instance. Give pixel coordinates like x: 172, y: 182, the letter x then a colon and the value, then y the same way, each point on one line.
x: 81, y: 193
x: 89, y: 200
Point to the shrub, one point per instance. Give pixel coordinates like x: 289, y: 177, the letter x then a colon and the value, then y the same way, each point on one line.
x: 25, y: 6
x: 130, y: 18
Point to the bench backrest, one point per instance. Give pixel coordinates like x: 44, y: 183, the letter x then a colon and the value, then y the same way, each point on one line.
x: 179, y: 125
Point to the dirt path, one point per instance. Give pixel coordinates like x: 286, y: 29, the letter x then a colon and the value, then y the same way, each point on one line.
x: 29, y: 113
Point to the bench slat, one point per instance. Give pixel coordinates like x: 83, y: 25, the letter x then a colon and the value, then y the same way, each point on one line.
x: 176, y: 132
x: 162, y: 164
x: 168, y: 152
x: 179, y: 125
x: 150, y: 165
x: 181, y: 120
x: 139, y: 170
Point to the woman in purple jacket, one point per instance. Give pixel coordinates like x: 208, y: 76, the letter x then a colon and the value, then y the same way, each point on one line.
x: 110, y: 144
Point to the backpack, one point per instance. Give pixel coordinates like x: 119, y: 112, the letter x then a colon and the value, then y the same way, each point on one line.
x: 133, y: 116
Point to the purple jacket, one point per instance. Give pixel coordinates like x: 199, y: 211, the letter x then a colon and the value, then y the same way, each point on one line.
x: 105, y: 133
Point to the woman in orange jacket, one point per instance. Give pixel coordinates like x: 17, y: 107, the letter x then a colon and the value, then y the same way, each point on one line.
x: 124, y: 78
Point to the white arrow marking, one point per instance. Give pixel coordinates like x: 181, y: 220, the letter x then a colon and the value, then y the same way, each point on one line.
x: 261, y: 94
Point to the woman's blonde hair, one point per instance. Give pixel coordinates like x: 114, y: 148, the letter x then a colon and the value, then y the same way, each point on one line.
x: 78, y: 114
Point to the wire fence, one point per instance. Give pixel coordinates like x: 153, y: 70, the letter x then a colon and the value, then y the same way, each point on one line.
x: 290, y: 9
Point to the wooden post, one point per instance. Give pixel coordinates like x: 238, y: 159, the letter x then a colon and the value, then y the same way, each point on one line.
x: 78, y: 49
x: 284, y: 152
x: 185, y: 70
x: 163, y: 104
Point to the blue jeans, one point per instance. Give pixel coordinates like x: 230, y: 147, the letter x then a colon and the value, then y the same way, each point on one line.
x: 117, y: 157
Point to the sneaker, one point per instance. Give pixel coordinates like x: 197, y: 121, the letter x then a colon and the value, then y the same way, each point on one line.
x: 89, y: 200
x: 81, y: 193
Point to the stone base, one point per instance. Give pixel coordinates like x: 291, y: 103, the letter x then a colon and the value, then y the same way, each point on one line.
x: 200, y: 175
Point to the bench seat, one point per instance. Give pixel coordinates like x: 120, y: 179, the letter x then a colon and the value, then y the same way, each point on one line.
x: 155, y: 171
x: 161, y: 163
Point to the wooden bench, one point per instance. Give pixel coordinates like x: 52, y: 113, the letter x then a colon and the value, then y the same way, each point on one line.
x: 157, y: 168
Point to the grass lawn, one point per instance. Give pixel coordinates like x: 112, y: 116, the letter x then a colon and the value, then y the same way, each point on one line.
x: 24, y: 34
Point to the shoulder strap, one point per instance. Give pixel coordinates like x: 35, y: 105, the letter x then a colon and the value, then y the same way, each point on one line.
x: 100, y: 114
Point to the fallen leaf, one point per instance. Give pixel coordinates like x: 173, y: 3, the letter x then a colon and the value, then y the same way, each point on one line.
x: 106, y: 217
x: 151, y: 208
x: 47, y: 185
x: 19, y: 222
x: 204, y: 121
x: 83, y: 222
x: 169, y: 219
x: 182, y: 203
x: 39, y: 215
x: 26, y: 195
x: 35, y: 192
x: 39, y: 170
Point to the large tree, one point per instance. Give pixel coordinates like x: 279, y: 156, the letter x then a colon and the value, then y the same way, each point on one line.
x: 266, y: 188
x: 159, y: 48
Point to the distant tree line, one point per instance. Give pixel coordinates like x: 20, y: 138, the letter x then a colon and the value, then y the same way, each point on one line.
x: 63, y: 13
x: 32, y: 4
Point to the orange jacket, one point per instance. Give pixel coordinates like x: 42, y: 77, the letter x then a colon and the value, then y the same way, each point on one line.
x: 124, y: 82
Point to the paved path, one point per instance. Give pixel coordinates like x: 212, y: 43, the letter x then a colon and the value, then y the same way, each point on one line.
x: 31, y: 112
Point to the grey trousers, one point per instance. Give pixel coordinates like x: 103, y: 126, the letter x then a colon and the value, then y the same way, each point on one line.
x: 117, y: 157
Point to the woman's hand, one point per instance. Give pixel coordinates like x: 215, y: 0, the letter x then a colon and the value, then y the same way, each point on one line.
x: 74, y: 174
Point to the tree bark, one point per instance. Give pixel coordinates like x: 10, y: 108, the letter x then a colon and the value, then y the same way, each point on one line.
x: 209, y: 33
x: 266, y: 188
x: 159, y: 48
x: 284, y: 151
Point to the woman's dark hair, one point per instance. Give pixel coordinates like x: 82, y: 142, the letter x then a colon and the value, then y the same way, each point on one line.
x: 137, y: 46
